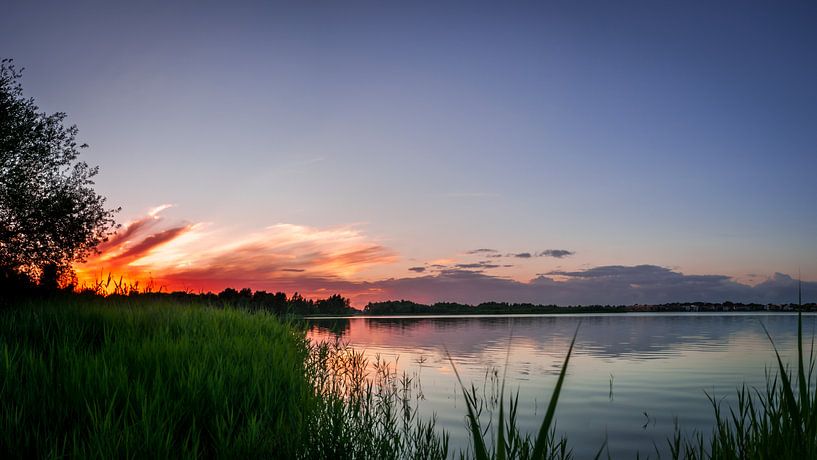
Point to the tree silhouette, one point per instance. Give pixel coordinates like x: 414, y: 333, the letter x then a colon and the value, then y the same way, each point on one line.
x: 50, y: 216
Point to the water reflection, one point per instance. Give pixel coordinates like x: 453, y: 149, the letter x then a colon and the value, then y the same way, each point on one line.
x: 637, y: 336
x: 660, y: 364
x: 337, y: 327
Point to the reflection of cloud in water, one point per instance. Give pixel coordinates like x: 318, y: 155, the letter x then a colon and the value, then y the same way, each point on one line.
x: 638, y: 336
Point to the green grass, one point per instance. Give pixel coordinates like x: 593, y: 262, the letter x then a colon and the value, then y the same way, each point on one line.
x: 369, y: 409
x: 171, y: 381
x: 150, y: 381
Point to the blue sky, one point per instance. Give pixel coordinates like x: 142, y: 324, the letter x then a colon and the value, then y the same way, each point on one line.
x: 675, y: 134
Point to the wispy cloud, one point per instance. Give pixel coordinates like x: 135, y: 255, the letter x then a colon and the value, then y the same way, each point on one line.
x: 153, y: 212
x: 195, y: 256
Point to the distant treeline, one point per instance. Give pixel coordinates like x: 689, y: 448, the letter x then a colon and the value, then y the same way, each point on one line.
x: 336, y: 305
x: 407, y: 307
x: 278, y: 303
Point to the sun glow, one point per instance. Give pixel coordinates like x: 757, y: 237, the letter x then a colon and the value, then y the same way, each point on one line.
x: 199, y: 257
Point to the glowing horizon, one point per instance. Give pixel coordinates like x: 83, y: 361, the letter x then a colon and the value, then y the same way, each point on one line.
x: 153, y: 253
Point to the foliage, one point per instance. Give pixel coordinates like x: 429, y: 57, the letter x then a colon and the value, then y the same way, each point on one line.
x: 154, y: 379
x: 50, y: 215
x: 278, y: 303
x: 369, y: 409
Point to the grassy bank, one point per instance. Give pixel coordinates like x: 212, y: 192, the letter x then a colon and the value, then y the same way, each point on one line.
x: 156, y: 380
x: 166, y: 381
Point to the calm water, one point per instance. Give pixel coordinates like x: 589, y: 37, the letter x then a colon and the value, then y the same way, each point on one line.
x: 631, y: 377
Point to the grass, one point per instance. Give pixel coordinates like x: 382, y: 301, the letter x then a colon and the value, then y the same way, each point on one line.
x: 151, y: 381
x: 173, y: 381
x: 370, y: 409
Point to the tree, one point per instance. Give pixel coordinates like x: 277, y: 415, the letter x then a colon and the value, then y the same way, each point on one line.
x: 50, y: 215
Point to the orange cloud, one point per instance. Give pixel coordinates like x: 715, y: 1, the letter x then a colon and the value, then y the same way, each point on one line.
x: 197, y: 257
x: 123, y: 236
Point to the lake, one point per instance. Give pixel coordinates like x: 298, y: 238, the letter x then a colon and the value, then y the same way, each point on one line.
x: 630, y: 378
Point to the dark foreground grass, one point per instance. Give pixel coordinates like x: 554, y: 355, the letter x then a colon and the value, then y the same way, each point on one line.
x: 172, y: 381
x: 156, y: 381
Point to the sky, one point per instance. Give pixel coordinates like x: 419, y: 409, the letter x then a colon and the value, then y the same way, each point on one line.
x: 550, y: 152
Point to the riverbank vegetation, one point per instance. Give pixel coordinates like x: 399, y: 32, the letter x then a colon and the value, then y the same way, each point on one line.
x: 82, y: 377
x: 163, y: 380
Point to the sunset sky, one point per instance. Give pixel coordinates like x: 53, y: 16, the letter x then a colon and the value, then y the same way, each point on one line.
x: 553, y: 152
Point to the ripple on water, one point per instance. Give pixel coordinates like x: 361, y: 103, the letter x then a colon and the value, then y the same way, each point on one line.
x: 624, y: 366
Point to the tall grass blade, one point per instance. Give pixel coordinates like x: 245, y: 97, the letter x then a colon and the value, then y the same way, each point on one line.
x: 601, y: 449
x: 480, y: 451
x: 787, y: 389
x: 801, y: 372
x: 544, y: 430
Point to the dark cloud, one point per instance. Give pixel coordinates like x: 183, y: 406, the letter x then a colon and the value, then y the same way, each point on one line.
x: 295, y: 270
x: 418, y: 269
x: 482, y: 251
x: 126, y: 233
x: 150, y: 242
x: 557, y: 253
x: 620, y: 285
x: 481, y: 265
